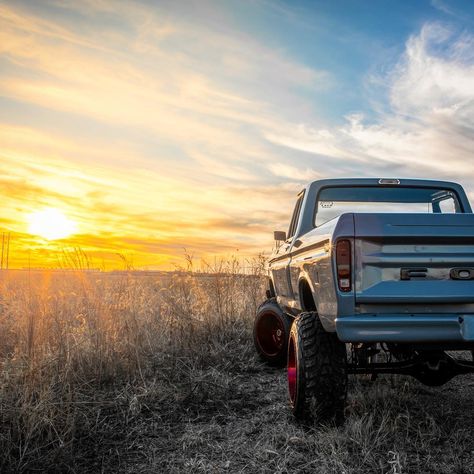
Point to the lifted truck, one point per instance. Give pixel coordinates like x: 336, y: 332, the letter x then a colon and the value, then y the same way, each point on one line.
x: 369, y: 268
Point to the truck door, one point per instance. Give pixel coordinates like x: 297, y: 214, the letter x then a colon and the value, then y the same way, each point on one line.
x: 281, y: 265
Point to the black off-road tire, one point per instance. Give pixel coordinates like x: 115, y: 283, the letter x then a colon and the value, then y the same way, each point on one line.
x: 271, y: 330
x: 317, y: 374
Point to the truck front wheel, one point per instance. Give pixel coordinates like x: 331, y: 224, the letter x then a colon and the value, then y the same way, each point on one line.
x: 270, y: 332
x: 317, y: 376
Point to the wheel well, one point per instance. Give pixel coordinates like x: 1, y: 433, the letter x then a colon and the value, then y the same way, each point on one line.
x: 306, y: 297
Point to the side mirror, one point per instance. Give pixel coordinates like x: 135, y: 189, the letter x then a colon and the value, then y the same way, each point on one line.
x: 279, y: 235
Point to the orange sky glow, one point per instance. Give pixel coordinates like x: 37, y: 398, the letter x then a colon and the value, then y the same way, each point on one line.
x: 140, y: 151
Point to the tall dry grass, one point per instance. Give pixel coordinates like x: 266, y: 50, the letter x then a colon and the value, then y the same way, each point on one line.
x: 130, y: 372
x: 83, y: 353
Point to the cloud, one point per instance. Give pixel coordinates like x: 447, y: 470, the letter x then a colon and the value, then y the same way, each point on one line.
x: 306, y: 138
x: 442, y: 7
x: 190, y: 73
x: 436, y: 74
x: 292, y: 172
x: 183, y: 92
x: 429, y: 128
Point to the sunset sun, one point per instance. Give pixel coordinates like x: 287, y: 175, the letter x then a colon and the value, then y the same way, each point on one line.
x: 51, y: 224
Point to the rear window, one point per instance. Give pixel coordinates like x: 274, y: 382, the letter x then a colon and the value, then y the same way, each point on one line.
x: 334, y: 201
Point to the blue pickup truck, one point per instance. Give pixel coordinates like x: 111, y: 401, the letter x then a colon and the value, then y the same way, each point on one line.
x: 373, y: 276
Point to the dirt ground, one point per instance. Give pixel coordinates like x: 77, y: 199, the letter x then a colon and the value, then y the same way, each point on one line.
x: 240, y: 422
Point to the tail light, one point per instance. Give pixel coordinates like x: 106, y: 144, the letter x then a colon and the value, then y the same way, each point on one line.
x: 343, y: 265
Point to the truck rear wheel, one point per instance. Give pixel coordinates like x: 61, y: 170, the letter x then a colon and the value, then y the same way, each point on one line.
x: 317, y: 375
x: 270, y: 332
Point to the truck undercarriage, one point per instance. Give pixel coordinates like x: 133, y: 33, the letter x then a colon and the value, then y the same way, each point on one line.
x: 430, y: 366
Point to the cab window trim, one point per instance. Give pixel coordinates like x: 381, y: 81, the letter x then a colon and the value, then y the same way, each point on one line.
x: 296, y: 216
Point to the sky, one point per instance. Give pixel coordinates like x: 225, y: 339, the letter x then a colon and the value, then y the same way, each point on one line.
x: 157, y: 128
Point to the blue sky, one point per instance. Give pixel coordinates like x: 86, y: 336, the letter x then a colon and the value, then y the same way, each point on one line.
x: 161, y: 125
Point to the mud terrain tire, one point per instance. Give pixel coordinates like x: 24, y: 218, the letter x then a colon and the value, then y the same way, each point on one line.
x: 317, y: 375
x: 270, y: 333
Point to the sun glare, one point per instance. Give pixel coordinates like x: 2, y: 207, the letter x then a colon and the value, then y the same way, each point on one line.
x: 51, y: 224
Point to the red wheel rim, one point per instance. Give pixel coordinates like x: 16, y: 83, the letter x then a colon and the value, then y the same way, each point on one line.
x: 270, y: 334
x: 292, y: 368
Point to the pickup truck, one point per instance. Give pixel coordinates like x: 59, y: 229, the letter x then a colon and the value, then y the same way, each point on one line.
x: 373, y: 276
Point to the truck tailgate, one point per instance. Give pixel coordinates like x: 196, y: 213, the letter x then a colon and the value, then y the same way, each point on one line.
x: 414, y: 259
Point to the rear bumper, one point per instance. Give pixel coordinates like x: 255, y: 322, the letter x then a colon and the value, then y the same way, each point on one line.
x: 406, y: 328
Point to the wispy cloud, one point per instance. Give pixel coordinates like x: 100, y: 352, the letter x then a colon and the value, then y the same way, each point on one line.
x: 429, y: 128
x: 292, y: 172
x: 443, y: 7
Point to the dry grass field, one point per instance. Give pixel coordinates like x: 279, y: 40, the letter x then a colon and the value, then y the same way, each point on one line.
x: 140, y: 373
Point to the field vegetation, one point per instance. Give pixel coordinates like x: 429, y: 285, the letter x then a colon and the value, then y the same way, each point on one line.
x: 130, y: 372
